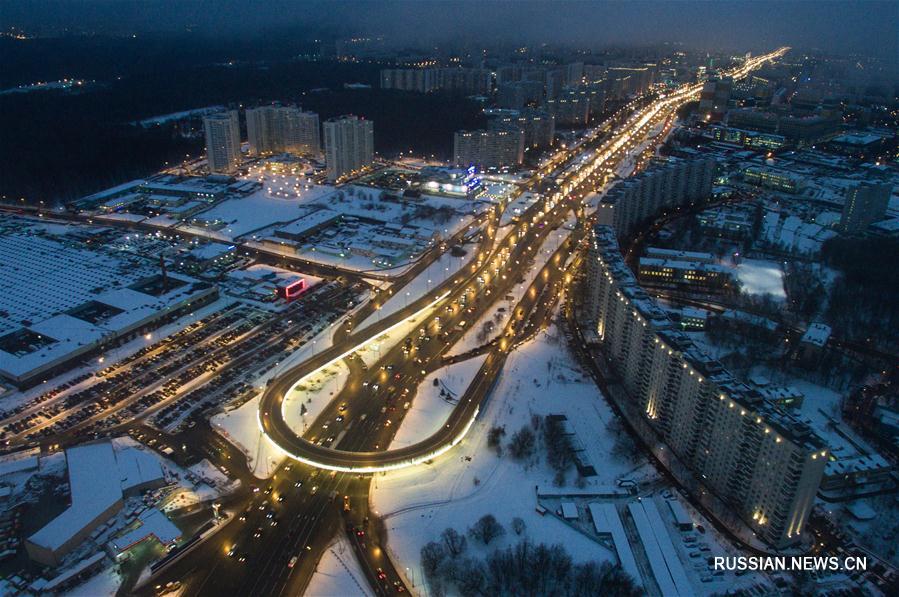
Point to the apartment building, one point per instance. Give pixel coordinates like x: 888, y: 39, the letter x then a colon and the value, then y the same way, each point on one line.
x: 277, y: 129
x: 222, y: 141
x: 538, y: 126
x: 488, y: 149
x: 673, y: 183
x: 349, y: 145
x: 753, y: 456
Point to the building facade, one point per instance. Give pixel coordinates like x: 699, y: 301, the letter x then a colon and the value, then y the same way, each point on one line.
x: 349, y: 145
x: 222, y: 141
x: 570, y: 108
x: 538, y: 126
x: 488, y: 149
x: 277, y: 129
x: 758, y: 460
x: 714, y: 97
x: 674, y: 183
x: 865, y: 203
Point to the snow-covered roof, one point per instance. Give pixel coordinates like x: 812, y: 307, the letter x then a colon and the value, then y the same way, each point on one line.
x: 817, y: 334
x: 17, y: 462
x: 72, y: 296
x: 137, y: 467
x: 607, y: 521
x: 152, y: 523
x: 569, y: 510
x: 94, y: 491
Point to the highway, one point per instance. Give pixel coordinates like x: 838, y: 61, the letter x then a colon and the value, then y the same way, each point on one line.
x: 370, y: 405
x: 581, y: 174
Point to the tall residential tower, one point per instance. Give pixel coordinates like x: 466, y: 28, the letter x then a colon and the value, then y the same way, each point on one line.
x: 222, y: 141
x: 349, y: 145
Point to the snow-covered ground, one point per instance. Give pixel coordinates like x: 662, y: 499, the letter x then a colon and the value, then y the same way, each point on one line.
x: 338, y: 573
x: 499, y: 311
x: 314, y: 392
x: 259, y: 210
x: 470, y: 480
x: 436, y: 273
x: 761, y: 277
x: 241, y: 427
x: 378, y: 346
x: 104, y: 584
x: 433, y: 404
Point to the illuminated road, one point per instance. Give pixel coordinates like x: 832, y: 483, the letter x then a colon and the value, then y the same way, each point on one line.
x: 579, y: 175
x: 309, y: 515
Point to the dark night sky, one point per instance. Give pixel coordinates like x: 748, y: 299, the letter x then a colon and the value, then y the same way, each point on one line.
x: 869, y: 27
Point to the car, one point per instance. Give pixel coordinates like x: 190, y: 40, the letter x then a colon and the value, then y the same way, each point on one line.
x: 258, y: 533
x: 399, y: 586
x: 268, y: 490
x: 242, y: 558
x: 381, y: 574
x: 298, y: 484
x: 281, y: 498
x: 292, y: 562
x: 233, y: 551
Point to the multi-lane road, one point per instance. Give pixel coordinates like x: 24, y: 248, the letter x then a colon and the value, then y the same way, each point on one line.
x: 586, y: 162
x: 306, y: 499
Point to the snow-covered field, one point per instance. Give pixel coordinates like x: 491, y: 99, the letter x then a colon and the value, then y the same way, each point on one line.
x: 761, y: 277
x: 338, y: 573
x: 471, y: 480
x: 433, y: 404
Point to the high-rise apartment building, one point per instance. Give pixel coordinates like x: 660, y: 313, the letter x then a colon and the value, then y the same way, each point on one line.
x: 519, y: 94
x: 673, y: 183
x: 757, y: 460
x: 538, y: 126
x: 488, y: 149
x: 570, y: 108
x: 421, y: 80
x: 714, y: 97
x: 864, y: 203
x: 276, y: 129
x: 349, y: 145
x: 222, y: 141
x: 424, y: 80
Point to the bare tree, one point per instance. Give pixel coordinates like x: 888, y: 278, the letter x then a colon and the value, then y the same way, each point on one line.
x: 486, y: 529
x: 522, y: 443
x: 431, y: 555
x: 454, y: 541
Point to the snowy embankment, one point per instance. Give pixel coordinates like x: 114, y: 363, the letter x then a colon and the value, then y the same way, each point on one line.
x: 502, y: 307
x: 338, y: 573
x: 435, y: 274
x: 434, y: 403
